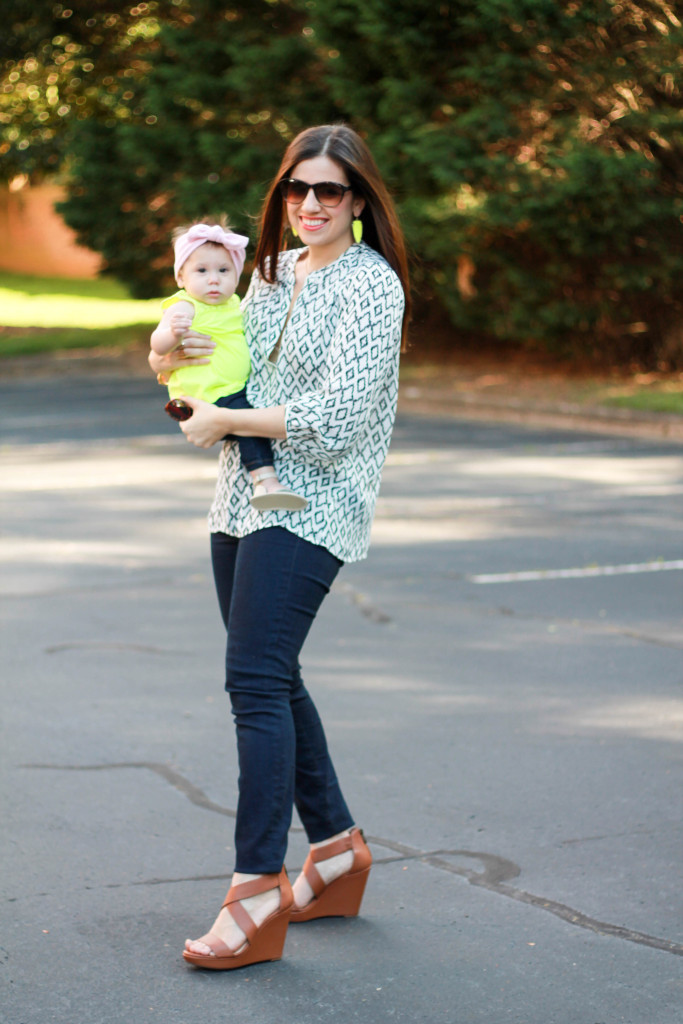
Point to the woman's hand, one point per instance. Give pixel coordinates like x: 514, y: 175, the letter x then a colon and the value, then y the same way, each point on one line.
x: 207, y: 424
x: 194, y: 350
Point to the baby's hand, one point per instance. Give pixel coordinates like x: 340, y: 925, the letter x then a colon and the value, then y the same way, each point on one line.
x: 180, y: 325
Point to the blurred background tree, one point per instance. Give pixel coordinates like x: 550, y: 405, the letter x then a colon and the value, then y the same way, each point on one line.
x: 188, y: 106
x: 535, y: 147
x: 65, y: 63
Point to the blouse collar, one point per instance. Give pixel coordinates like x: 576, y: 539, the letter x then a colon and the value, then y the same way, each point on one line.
x: 349, y: 255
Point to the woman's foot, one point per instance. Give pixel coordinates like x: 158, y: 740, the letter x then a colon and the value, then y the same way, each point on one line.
x: 329, y: 869
x: 336, y: 873
x: 226, y: 928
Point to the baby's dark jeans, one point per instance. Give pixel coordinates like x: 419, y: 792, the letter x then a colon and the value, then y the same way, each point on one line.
x: 255, y: 452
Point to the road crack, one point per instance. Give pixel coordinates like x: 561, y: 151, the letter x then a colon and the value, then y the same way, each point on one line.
x: 493, y: 872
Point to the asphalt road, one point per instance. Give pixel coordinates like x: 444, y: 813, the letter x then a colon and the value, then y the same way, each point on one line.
x: 501, y: 684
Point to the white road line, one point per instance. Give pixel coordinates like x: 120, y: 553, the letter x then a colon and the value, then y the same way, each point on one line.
x: 565, y: 574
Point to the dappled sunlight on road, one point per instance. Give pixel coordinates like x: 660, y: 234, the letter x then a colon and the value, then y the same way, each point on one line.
x: 95, y: 471
x: 389, y: 531
x: 118, y: 553
x: 421, y: 520
x: 615, y: 471
x: 653, y: 718
x: 533, y: 709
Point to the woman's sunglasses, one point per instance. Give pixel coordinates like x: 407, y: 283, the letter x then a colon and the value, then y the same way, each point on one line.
x: 328, y: 193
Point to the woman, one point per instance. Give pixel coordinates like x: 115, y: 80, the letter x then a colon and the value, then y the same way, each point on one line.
x: 324, y: 325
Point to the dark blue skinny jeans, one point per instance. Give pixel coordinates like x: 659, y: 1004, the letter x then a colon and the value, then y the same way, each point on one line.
x: 255, y: 452
x: 270, y: 585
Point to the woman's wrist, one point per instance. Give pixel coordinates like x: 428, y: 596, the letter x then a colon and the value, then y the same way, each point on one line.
x: 268, y: 422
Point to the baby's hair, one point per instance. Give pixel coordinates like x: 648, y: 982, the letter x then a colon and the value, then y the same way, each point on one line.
x: 221, y: 220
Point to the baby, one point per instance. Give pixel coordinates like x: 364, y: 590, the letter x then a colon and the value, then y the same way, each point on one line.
x: 208, y: 262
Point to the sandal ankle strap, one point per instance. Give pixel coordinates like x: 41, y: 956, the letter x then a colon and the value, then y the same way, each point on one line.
x: 254, y: 888
x: 263, y: 474
x: 320, y: 853
x: 244, y: 890
x: 341, y: 845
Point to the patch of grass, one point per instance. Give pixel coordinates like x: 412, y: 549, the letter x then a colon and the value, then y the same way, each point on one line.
x: 93, y: 288
x: 647, y: 400
x: 53, y: 303
x: 536, y: 381
x: 32, y: 341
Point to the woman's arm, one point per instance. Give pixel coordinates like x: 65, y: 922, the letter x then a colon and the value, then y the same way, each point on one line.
x: 360, y: 374
x: 210, y: 423
x: 196, y: 351
x: 323, y: 425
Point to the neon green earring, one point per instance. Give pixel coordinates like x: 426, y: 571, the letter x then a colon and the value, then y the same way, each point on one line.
x: 294, y: 231
x: 357, y: 229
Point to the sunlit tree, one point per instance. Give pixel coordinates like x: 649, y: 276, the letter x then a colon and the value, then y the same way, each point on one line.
x: 535, y: 147
x: 224, y: 87
x: 63, y: 63
x: 538, y: 149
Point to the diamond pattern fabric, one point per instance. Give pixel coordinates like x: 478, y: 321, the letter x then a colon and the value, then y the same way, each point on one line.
x: 337, y: 376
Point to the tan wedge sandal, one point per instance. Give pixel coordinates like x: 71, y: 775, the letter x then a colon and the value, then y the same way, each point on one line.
x: 264, y: 942
x: 282, y: 500
x: 343, y: 896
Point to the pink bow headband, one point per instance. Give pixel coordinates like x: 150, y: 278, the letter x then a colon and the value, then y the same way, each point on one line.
x: 198, y: 234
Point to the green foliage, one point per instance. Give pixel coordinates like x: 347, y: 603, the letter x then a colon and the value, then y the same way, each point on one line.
x: 225, y: 87
x: 68, y: 63
x: 537, y: 150
x: 535, y: 147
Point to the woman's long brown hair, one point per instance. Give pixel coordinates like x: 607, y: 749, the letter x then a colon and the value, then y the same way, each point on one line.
x: 381, y: 228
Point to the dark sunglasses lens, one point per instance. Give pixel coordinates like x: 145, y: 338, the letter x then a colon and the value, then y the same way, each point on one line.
x: 329, y: 194
x: 326, y: 192
x: 293, y: 191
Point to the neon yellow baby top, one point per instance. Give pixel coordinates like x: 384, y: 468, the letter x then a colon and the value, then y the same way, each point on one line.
x: 230, y: 365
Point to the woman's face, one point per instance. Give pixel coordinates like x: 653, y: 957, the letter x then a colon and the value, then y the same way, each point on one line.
x: 325, y: 229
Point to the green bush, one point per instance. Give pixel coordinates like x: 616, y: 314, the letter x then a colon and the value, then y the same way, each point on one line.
x: 535, y: 147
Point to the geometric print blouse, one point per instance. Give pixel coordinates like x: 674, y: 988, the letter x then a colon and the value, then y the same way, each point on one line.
x: 337, y: 375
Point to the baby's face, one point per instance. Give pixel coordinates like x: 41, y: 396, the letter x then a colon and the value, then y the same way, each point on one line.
x: 209, y: 274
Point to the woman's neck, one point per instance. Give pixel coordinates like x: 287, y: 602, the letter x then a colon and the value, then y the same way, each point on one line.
x: 318, y: 257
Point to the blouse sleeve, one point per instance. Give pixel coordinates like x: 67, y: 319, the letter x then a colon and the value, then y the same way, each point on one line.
x: 362, y: 359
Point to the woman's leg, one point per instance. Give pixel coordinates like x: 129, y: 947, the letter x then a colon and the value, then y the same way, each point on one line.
x: 270, y: 587
x: 317, y: 797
